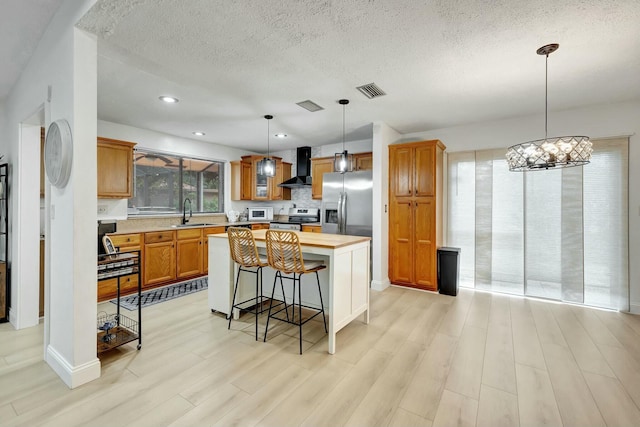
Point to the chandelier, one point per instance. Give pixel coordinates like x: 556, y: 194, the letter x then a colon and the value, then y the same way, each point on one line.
x: 554, y: 152
x: 267, y: 166
x: 343, y: 162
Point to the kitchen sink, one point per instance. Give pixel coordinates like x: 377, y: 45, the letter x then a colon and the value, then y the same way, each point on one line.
x: 202, y: 224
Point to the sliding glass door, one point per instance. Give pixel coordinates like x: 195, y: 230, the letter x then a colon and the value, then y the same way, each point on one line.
x: 558, y: 234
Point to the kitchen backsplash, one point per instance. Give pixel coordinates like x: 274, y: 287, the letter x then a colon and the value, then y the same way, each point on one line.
x: 302, y: 198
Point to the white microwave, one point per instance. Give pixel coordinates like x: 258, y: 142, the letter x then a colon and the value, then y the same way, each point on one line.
x: 260, y: 214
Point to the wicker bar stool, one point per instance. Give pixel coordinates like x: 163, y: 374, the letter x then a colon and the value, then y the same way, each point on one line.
x: 244, y: 253
x: 285, y: 256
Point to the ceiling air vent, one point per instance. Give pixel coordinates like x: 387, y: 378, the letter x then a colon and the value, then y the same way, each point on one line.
x: 371, y: 90
x: 310, y: 105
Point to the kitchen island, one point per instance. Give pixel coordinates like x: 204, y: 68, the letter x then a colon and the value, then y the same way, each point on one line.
x: 344, y: 283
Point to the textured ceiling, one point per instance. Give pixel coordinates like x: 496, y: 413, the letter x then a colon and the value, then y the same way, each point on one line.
x: 442, y: 63
x: 22, y: 24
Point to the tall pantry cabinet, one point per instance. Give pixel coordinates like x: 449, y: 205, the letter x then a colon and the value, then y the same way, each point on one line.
x: 415, y: 213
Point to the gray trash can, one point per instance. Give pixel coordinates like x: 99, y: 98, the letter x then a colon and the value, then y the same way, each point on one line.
x: 448, y: 270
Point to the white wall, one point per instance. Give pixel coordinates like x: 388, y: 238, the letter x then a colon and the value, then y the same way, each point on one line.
x: 64, y: 60
x: 383, y: 136
x: 597, y: 122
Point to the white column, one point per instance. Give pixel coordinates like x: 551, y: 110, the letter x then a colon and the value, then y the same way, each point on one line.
x: 71, y: 350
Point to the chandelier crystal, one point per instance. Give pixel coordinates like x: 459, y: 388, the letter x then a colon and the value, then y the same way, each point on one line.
x: 555, y: 152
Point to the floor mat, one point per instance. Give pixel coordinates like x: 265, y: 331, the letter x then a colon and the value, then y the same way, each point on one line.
x: 166, y: 293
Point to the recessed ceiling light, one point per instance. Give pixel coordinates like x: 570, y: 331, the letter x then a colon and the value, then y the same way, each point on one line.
x: 198, y: 133
x: 280, y: 135
x: 168, y: 99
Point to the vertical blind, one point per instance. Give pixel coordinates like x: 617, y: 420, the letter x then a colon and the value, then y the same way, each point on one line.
x: 559, y: 234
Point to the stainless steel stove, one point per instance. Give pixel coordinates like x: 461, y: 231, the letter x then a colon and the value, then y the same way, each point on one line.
x: 297, y: 217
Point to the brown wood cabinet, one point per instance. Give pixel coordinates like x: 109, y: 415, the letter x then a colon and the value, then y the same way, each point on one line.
x: 363, y: 161
x: 312, y: 228
x: 261, y: 226
x: 108, y: 289
x: 415, y: 213
x: 123, y: 243
x: 189, y: 252
x: 166, y: 256
x: 115, y: 168
x: 246, y: 184
x: 283, y: 172
x: 319, y: 166
x: 159, y: 257
x: 322, y: 165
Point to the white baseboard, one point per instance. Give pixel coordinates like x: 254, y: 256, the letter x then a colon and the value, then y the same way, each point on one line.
x: 73, y: 376
x: 12, y: 318
x: 380, y: 285
x: 634, y: 308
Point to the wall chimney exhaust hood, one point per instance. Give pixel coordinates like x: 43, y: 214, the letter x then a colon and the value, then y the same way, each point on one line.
x: 303, y: 169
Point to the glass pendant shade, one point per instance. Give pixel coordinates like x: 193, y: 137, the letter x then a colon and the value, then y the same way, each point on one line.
x: 343, y: 162
x: 550, y: 152
x: 267, y: 166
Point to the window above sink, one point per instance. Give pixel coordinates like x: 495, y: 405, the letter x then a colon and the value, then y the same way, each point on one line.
x: 162, y: 181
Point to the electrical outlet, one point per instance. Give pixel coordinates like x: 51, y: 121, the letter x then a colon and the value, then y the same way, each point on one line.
x: 102, y: 209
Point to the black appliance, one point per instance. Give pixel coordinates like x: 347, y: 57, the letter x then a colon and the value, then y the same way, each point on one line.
x: 303, y: 169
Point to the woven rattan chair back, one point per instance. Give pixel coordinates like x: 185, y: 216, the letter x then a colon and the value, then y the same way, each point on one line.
x: 283, y: 251
x: 243, y: 247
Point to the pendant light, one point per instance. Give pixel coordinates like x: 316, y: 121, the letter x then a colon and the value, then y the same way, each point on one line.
x: 267, y: 166
x: 343, y: 162
x: 555, y: 152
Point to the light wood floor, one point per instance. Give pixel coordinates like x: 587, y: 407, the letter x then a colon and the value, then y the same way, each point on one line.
x: 425, y: 359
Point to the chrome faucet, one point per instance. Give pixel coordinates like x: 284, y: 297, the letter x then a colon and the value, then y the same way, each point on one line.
x: 184, y: 211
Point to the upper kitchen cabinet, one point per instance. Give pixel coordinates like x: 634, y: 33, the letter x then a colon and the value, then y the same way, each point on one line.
x: 283, y: 172
x: 319, y: 166
x: 363, y: 161
x: 247, y: 184
x: 115, y: 168
x: 322, y: 165
x: 415, y: 213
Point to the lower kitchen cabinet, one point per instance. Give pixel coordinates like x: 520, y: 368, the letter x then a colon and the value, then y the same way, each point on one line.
x: 108, y: 289
x: 260, y: 226
x: 312, y: 228
x: 189, y: 252
x: 159, y: 257
x: 166, y: 256
x: 123, y: 243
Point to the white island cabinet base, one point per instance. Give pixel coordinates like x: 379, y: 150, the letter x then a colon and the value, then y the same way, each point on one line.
x: 344, y: 283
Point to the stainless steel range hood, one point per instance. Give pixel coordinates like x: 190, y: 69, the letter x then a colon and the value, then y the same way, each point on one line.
x: 303, y: 169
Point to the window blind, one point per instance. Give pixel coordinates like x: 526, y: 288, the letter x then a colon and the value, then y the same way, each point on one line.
x: 559, y: 234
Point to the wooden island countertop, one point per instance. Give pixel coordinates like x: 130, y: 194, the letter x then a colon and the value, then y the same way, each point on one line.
x: 319, y: 240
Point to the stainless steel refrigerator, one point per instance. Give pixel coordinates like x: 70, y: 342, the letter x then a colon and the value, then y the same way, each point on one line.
x: 347, y: 203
